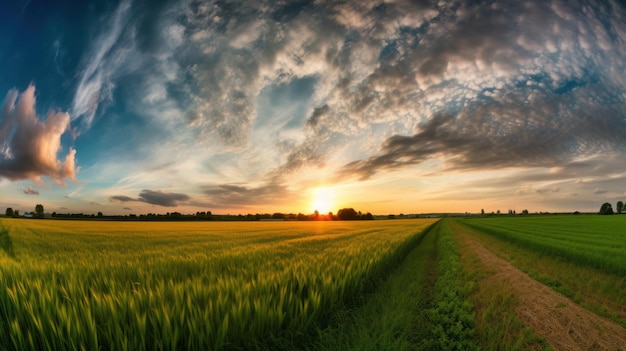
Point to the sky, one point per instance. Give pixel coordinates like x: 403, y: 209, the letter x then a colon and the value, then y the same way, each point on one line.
x: 144, y: 106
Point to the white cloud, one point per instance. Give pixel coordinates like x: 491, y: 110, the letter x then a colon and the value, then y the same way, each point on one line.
x: 101, y: 65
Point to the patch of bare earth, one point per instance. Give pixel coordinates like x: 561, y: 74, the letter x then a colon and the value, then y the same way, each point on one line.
x: 564, y: 324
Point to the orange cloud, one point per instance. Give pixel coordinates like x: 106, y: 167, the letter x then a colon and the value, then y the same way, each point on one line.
x: 29, y: 145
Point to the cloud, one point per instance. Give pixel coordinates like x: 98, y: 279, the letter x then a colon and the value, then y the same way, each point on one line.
x: 162, y: 199
x: 154, y: 197
x: 101, y: 65
x: 392, y: 85
x: 28, y: 145
x: 238, y: 195
x: 30, y: 191
x: 122, y: 198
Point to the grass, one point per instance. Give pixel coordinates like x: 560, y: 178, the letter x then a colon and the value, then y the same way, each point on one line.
x: 494, y: 303
x: 6, y: 244
x: 421, y: 306
x: 372, y: 285
x: 128, y: 285
x: 589, y: 241
x: 570, y: 262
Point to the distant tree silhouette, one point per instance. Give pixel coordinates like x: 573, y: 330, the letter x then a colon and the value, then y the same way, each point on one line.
x: 619, y: 207
x: 347, y: 214
x: 606, y: 209
x: 39, y: 211
x: 9, y: 212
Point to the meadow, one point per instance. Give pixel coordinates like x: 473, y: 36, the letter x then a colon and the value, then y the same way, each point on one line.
x: 359, y: 285
x: 582, y: 257
x: 594, y: 241
x: 128, y: 285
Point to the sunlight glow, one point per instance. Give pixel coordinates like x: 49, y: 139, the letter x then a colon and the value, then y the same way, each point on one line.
x: 322, y: 200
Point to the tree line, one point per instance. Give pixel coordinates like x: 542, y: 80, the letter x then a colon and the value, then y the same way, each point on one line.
x: 607, y: 209
x: 38, y: 213
x: 342, y: 215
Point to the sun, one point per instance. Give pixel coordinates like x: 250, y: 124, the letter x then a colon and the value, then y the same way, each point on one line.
x: 322, y: 200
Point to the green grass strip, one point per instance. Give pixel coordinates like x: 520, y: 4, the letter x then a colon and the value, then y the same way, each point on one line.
x: 450, y: 321
x: 420, y: 306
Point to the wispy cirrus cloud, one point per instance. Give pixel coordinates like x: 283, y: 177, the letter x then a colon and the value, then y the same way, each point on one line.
x: 106, y: 59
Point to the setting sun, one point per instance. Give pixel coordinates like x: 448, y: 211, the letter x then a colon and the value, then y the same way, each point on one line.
x: 322, y: 200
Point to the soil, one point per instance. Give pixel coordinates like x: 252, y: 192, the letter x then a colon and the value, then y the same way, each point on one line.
x: 562, y: 323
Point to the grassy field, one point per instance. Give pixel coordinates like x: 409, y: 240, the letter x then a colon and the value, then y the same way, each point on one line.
x: 356, y: 285
x: 582, y: 257
x: 591, y: 241
x: 129, y: 285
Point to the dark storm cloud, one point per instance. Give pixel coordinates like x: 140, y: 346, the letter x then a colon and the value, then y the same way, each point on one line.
x: 154, y: 197
x: 28, y: 145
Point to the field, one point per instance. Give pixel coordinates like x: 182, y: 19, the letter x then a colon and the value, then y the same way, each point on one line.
x: 451, y: 284
x: 129, y: 285
x: 576, y: 280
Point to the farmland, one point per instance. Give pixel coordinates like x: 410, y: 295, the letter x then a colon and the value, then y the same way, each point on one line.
x: 362, y: 285
x: 581, y: 257
x: 123, y: 285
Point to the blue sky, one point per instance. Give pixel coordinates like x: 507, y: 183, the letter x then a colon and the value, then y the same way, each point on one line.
x: 141, y: 106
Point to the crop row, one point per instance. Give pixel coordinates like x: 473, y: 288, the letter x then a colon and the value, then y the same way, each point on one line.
x: 167, y: 287
x: 449, y: 320
x: 594, y: 241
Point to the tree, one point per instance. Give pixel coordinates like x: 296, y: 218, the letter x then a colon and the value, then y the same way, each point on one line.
x: 100, y: 214
x: 347, y: 213
x: 620, y: 207
x: 606, y: 209
x: 278, y: 215
x: 39, y: 211
x: 9, y: 212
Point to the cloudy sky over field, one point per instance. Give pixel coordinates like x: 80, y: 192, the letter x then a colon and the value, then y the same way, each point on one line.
x: 140, y: 106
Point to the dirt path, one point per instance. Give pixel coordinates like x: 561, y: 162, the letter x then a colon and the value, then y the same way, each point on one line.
x: 564, y: 324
